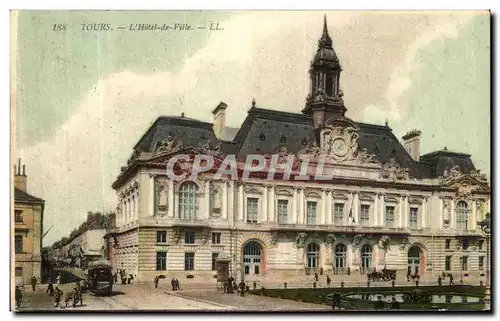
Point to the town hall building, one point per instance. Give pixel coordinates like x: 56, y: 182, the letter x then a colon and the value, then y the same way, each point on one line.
x: 385, y: 205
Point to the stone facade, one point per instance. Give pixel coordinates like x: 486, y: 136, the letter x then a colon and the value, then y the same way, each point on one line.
x: 382, y: 205
x: 27, y: 236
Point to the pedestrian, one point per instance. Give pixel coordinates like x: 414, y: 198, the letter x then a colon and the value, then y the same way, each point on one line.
x: 316, y: 277
x: 242, y: 287
x: 57, y: 296
x: 231, y: 284
x: 334, y: 300
x: 440, y: 280
x: 379, y: 304
x: 177, y: 285
x: 394, y: 303
x: 19, y: 297
x: 156, y: 280
x: 451, y: 279
x: 416, y: 282
x: 393, y: 282
x: 33, y: 282
x: 328, y: 280
x: 58, y: 279
x: 173, y: 284
x: 115, y: 277
x: 50, y: 289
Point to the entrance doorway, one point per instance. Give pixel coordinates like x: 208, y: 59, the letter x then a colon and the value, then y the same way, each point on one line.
x: 415, y: 260
x: 312, y: 256
x: 252, y: 258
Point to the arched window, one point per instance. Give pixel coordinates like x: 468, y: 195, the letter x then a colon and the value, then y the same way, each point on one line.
x: 414, y: 260
x: 340, y: 256
x: 252, y: 258
x: 366, y: 256
x: 462, y: 215
x: 312, y: 255
x: 187, y: 200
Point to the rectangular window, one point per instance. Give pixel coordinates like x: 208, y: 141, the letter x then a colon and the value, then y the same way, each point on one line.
x: 161, y: 261
x: 480, y: 245
x: 465, y: 245
x: 464, y: 263
x: 189, y: 261
x: 252, y: 209
x: 481, y: 263
x: 18, y: 218
x: 18, y: 243
x: 447, y: 263
x: 364, y: 217
x: 389, y: 216
x: 413, y: 218
x: 447, y: 244
x: 214, y: 261
x: 161, y: 236
x: 216, y: 238
x: 282, y: 211
x: 311, y: 213
x: 338, y: 214
x: 189, y: 237
x: 19, y: 271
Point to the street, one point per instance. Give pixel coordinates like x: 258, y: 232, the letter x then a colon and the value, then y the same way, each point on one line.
x: 145, y: 297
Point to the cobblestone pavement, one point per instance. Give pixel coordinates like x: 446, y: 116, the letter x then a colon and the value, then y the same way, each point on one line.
x: 125, y: 297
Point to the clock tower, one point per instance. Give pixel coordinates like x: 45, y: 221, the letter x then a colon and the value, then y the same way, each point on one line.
x: 324, y: 100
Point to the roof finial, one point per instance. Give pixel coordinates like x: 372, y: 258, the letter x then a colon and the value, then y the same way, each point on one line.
x: 253, y: 102
x: 386, y: 122
x: 182, y: 115
x: 445, y: 148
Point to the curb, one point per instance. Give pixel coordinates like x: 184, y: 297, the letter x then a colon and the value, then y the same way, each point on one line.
x: 203, y: 301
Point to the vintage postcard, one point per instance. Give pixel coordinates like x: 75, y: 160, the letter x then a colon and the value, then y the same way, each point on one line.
x: 250, y: 161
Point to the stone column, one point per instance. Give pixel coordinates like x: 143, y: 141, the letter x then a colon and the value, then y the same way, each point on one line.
x: 136, y: 205
x: 376, y: 212
x: 439, y: 224
x: 293, y: 218
x: 301, y: 206
x: 230, y: 201
x: 400, y: 212
x: 452, y: 215
x: 264, y: 204
x: 329, y: 214
x: 206, y: 202
x: 473, y: 219
x: 382, y: 210
x: 241, y: 203
x: 321, y: 220
x: 171, y: 205
x: 152, y: 203
x: 271, y: 206
x: 225, y: 200
x: 355, y: 207
x: 424, y: 214
x: 406, y: 210
x: 177, y: 214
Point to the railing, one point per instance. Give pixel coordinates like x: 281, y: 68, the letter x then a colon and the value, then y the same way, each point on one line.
x: 341, y: 271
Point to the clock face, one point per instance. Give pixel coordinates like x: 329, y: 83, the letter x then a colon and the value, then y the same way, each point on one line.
x: 339, y: 147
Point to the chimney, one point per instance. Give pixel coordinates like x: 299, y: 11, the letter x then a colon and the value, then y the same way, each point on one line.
x: 219, y: 119
x: 20, y: 176
x: 411, y: 142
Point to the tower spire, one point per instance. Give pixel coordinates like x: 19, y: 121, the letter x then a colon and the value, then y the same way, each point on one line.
x: 325, y: 41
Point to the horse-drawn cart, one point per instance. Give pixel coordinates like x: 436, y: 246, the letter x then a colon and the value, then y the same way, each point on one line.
x: 382, y: 275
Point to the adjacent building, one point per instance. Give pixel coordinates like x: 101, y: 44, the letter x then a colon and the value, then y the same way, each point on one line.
x: 386, y: 205
x: 28, y: 230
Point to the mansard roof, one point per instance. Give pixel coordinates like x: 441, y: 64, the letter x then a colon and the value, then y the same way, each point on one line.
x: 444, y: 160
x: 189, y: 130
x: 265, y: 131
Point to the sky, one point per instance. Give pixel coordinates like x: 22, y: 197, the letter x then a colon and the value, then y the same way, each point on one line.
x: 84, y: 98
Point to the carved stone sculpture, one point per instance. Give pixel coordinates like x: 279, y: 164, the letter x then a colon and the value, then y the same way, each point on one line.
x: 300, y: 240
x: 216, y: 199
x: 357, y: 240
x: 391, y: 170
x: 168, y: 145
x: 330, y: 239
x: 384, y: 242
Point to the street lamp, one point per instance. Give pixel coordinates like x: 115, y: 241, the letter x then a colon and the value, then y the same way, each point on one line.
x: 486, y: 227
